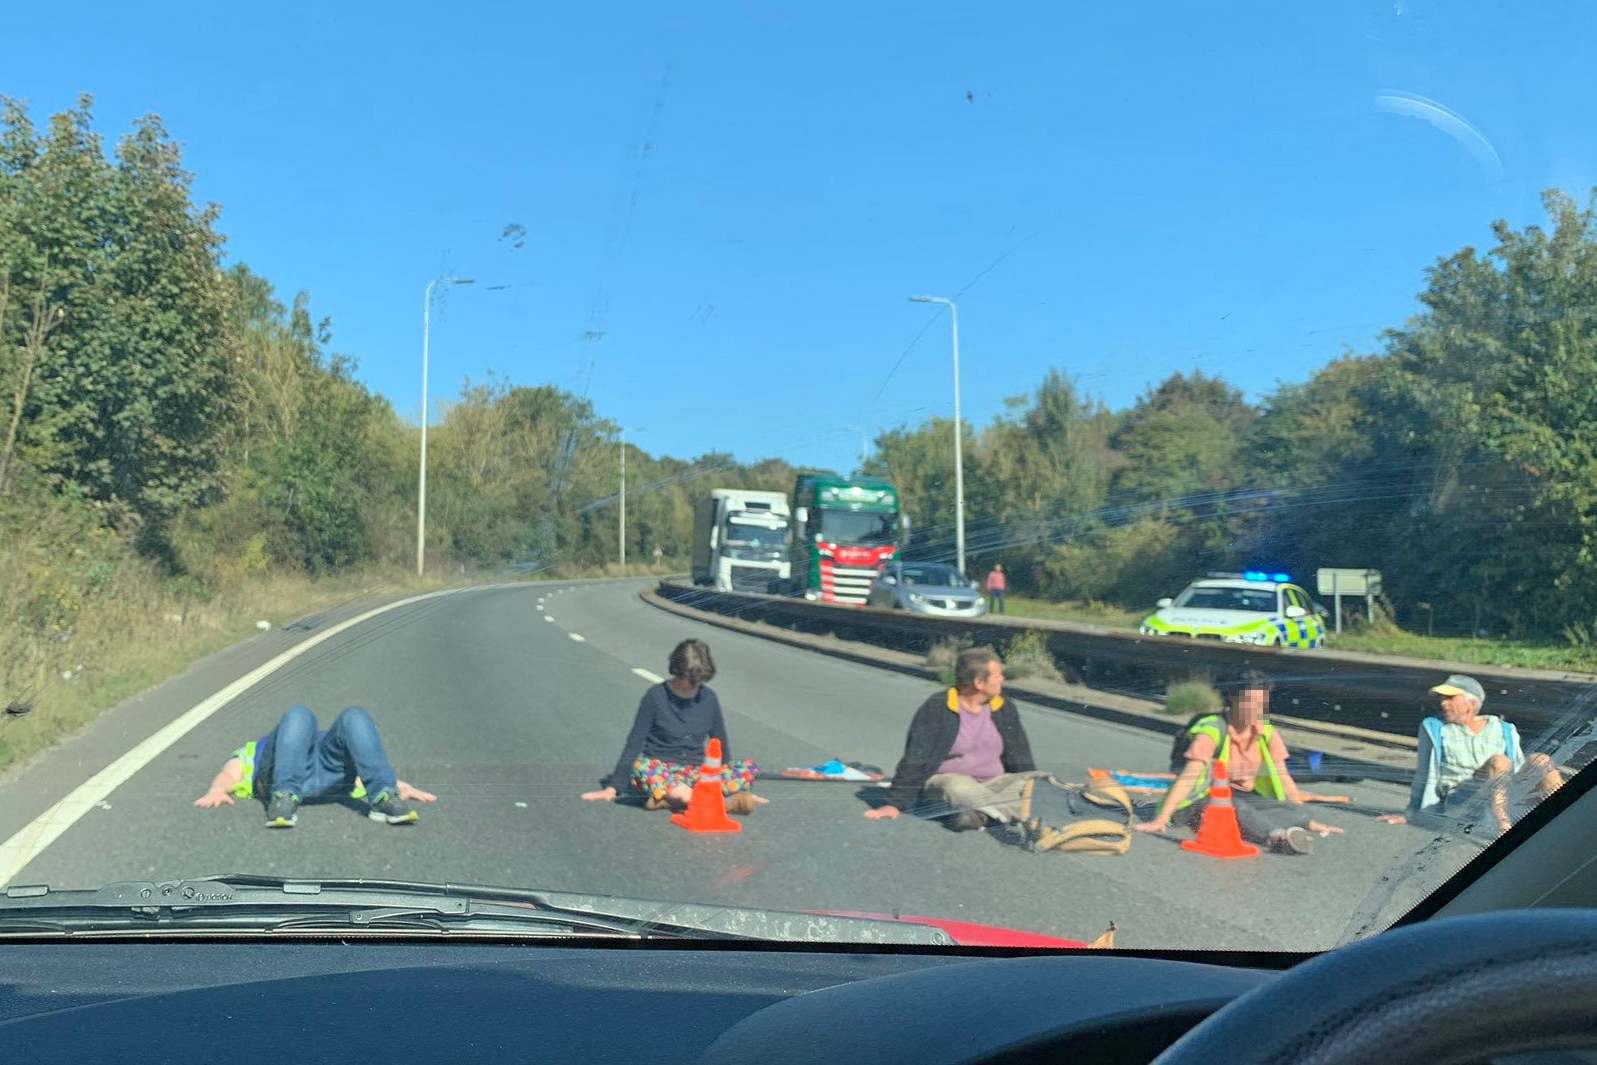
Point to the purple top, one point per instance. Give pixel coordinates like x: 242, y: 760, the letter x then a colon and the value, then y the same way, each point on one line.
x: 978, y: 750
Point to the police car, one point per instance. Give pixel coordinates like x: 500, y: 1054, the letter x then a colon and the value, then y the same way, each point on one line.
x: 1265, y: 609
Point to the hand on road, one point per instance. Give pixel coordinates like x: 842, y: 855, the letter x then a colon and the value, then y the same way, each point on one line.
x: 882, y: 813
x: 411, y: 793
x: 1324, y: 829
x: 602, y: 795
x: 1158, y: 824
x: 1392, y: 819
x: 213, y: 799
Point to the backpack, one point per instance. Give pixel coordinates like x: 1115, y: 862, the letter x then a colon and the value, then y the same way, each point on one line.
x: 1075, y: 818
x: 1184, y: 738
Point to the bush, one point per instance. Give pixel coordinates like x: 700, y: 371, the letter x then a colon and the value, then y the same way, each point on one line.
x: 942, y: 656
x: 1028, y: 656
x: 1188, y: 697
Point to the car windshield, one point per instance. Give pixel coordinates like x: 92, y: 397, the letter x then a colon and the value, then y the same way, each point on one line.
x: 750, y: 534
x: 933, y: 576
x: 1254, y: 599
x: 857, y: 527
x: 378, y: 390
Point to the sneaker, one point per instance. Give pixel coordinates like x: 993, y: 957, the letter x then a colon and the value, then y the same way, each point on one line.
x: 283, y: 810
x: 1294, y: 841
x: 387, y: 808
x: 968, y: 821
x: 741, y: 802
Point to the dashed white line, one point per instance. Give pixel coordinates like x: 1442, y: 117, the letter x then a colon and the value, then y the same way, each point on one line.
x: 576, y: 636
x: 546, y: 617
x: 650, y: 677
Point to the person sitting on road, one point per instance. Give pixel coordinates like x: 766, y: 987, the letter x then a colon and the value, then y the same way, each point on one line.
x: 1266, y: 798
x: 296, y: 762
x: 665, y: 749
x: 1460, y: 745
x: 967, y: 758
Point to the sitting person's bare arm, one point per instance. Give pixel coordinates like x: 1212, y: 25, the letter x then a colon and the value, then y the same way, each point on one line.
x: 220, y: 793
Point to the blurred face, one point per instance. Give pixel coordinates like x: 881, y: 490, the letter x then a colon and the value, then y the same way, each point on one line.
x: 1249, y: 708
x: 992, y: 684
x: 1457, y: 709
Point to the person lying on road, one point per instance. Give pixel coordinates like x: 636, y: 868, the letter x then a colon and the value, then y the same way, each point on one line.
x: 295, y: 762
x: 1460, y: 746
x: 662, y: 754
x: 966, y: 758
x: 1266, y: 797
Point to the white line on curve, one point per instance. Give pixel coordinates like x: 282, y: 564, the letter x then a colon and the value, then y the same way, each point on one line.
x: 30, y: 841
x: 576, y: 636
x: 650, y: 677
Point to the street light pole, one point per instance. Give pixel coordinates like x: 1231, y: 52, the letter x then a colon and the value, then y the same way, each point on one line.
x: 621, y: 539
x: 421, y: 482
x: 959, y: 433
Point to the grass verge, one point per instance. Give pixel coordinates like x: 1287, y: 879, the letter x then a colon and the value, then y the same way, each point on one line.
x: 1383, y: 638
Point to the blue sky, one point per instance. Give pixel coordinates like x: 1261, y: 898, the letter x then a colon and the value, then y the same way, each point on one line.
x: 726, y: 204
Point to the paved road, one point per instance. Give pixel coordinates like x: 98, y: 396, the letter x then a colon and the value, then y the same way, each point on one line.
x: 509, y: 716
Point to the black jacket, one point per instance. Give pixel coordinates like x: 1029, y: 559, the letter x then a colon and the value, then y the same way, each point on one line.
x: 931, y: 736
x: 672, y: 729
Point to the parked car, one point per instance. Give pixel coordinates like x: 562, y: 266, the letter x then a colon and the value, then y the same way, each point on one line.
x: 934, y: 588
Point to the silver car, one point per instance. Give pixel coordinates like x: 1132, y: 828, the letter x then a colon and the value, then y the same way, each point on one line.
x: 934, y: 588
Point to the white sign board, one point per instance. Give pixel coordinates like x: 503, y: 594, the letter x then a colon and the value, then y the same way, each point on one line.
x: 1349, y: 581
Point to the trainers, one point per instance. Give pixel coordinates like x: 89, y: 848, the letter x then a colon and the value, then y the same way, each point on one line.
x: 283, y: 810
x: 387, y: 808
x: 968, y: 821
x: 1295, y: 841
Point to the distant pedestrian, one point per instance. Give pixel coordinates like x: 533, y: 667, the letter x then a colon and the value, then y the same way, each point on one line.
x: 662, y: 755
x: 997, y: 586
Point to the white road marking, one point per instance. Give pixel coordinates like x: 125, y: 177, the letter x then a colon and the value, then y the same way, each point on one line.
x: 546, y: 617
x: 576, y: 636
x: 29, y: 842
x: 650, y: 677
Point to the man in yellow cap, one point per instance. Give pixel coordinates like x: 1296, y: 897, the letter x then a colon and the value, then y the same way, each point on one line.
x: 1460, y: 745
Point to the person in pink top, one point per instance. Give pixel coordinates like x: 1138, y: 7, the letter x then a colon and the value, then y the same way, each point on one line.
x: 997, y: 586
x: 967, y: 757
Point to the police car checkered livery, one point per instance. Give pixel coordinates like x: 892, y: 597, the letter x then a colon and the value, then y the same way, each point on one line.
x: 1263, y: 609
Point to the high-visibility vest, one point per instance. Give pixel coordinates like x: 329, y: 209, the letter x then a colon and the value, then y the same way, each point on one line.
x: 1267, y: 783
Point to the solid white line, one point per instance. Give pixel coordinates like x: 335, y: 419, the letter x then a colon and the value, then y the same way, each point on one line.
x: 26, y: 845
x: 576, y: 636
x: 650, y: 677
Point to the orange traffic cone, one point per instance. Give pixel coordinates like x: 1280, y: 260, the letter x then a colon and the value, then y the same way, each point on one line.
x: 1218, y: 833
x: 706, y: 810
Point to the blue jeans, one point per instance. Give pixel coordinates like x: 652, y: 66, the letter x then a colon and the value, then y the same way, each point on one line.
x: 314, y: 764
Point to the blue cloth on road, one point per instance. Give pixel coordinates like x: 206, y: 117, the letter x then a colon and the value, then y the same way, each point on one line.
x: 298, y: 757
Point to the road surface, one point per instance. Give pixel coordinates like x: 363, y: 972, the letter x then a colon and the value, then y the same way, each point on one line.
x: 510, y: 701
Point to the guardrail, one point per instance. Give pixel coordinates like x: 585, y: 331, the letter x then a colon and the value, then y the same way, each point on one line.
x: 1376, y: 692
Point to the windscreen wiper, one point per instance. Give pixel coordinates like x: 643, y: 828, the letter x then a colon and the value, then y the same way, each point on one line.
x: 250, y: 903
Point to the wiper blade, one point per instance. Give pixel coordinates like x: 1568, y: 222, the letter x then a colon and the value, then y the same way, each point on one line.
x: 262, y: 903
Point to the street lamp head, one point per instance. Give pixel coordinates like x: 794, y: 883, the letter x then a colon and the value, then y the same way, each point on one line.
x: 462, y: 280
x: 920, y: 299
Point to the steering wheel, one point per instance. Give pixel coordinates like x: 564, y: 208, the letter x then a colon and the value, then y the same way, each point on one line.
x: 1462, y: 989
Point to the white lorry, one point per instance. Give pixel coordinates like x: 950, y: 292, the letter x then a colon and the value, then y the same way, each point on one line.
x: 740, y: 541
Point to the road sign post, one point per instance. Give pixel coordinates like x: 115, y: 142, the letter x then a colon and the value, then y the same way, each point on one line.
x: 1339, y: 582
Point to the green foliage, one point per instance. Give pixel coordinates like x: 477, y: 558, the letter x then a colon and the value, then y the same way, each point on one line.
x: 1027, y: 656
x: 1188, y: 697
